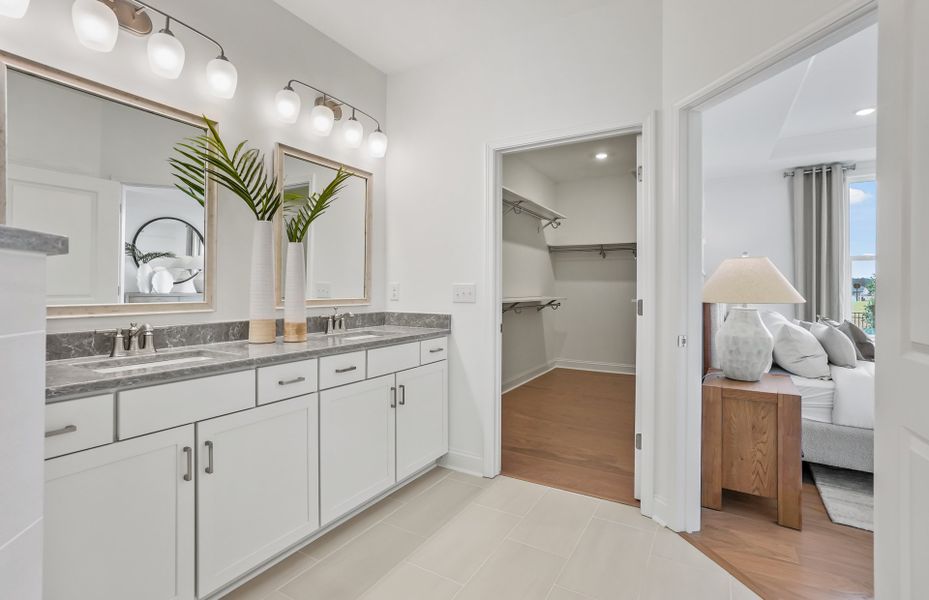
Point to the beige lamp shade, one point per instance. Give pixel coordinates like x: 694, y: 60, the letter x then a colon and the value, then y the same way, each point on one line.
x: 749, y: 280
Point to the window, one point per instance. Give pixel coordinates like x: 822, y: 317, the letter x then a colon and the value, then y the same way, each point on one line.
x: 862, y: 221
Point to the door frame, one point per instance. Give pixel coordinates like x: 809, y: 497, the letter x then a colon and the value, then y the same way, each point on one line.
x: 685, y: 191
x: 493, y: 244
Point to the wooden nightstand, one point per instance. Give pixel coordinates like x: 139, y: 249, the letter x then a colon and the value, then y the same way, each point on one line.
x: 751, y: 442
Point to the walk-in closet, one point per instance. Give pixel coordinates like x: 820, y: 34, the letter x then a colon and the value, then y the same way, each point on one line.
x: 569, y: 315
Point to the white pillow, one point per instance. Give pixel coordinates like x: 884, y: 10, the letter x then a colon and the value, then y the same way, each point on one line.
x: 798, y: 351
x: 773, y: 320
x: 839, y: 348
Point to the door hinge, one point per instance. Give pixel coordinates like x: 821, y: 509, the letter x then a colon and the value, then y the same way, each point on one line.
x: 638, y: 173
x: 638, y: 441
x: 682, y: 341
x: 640, y: 307
x: 501, y: 327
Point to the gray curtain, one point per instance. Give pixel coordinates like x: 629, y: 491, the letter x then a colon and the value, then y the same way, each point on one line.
x: 822, y: 269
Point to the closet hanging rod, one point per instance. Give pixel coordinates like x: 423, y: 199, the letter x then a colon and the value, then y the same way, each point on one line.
x: 600, y: 249
x: 518, y: 204
x: 517, y: 208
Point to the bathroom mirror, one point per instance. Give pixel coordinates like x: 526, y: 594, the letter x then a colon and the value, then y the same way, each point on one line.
x: 338, y: 246
x: 91, y: 163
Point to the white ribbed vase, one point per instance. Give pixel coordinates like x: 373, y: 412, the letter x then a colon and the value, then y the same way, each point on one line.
x: 261, y: 325
x: 295, y: 294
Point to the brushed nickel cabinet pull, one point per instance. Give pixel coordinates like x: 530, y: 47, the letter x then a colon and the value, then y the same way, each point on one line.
x: 290, y: 381
x: 346, y: 369
x: 434, y: 350
x: 402, y: 395
x: 209, y: 463
x: 62, y: 431
x: 190, y: 463
x: 393, y: 397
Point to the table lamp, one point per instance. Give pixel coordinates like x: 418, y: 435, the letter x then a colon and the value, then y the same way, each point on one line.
x: 743, y: 344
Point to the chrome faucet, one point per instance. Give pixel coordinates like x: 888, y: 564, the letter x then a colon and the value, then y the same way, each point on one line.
x: 336, y: 321
x: 147, y: 345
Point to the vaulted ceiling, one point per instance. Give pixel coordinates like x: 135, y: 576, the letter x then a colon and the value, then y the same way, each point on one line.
x: 803, y: 115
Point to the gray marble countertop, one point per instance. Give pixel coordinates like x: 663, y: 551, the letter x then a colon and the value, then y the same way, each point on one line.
x: 26, y: 240
x: 67, y: 379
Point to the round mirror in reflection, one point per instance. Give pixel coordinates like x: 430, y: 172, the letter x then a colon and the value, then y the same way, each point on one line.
x: 171, y: 237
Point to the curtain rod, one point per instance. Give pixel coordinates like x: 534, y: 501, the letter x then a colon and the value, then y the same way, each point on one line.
x: 845, y: 167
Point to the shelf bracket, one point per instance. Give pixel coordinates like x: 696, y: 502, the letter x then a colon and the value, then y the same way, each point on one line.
x: 554, y: 223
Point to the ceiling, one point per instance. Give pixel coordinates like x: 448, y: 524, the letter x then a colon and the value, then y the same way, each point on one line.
x: 803, y: 115
x: 396, y: 35
x: 570, y: 162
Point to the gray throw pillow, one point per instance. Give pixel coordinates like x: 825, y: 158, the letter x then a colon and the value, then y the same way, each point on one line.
x: 805, y: 324
x: 838, y: 346
x: 798, y: 351
x: 863, y: 342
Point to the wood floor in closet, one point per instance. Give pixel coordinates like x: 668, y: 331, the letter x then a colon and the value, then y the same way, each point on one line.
x: 573, y: 430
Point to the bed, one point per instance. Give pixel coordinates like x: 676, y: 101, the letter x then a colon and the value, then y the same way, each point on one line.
x: 838, y: 414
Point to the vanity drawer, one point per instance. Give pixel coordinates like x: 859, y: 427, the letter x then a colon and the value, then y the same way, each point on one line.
x: 171, y: 404
x: 78, y: 424
x: 392, y: 359
x: 341, y: 369
x: 290, y: 380
x: 431, y: 351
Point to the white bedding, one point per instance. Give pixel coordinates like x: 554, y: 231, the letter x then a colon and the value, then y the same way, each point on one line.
x: 817, y: 397
x: 854, y: 395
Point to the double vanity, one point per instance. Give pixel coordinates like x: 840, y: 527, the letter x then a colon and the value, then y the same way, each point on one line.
x: 179, y: 474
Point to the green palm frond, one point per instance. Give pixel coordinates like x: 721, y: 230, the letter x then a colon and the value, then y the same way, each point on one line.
x: 300, y: 210
x: 242, y: 172
x: 133, y: 252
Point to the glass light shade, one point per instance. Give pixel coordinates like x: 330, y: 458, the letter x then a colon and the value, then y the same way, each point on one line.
x: 14, y: 9
x: 165, y: 55
x: 321, y: 119
x: 287, y: 104
x: 353, y: 132
x: 222, y: 77
x: 377, y: 144
x: 95, y: 24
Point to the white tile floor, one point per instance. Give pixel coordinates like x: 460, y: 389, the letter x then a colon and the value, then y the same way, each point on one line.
x: 451, y: 536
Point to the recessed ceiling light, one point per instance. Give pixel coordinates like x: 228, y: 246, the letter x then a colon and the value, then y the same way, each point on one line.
x: 601, y: 155
x: 864, y: 112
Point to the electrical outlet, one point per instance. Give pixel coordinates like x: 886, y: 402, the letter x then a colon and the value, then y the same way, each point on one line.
x: 464, y: 292
x: 323, y: 289
x: 395, y: 292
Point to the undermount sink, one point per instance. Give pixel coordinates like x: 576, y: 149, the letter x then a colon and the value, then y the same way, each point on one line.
x: 352, y: 336
x: 122, y: 364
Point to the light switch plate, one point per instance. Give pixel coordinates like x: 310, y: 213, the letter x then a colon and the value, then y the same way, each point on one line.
x: 395, y: 292
x: 464, y: 292
x: 323, y: 289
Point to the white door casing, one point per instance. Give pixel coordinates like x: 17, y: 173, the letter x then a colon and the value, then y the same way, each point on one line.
x: 901, y: 431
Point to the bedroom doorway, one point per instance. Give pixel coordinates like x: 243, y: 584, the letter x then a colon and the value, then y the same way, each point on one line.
x: 781, y: 169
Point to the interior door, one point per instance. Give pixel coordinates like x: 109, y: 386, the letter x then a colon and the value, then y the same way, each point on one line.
x: 645, y: 308
x: 422, y: 417
x: 87, y: 210
x: 119, y: 520
x: 901, y: 431
x: 357, y: 444
x: 257, y: 487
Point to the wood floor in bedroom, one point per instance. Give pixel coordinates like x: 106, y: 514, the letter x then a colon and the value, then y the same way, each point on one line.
x: 824, y: 561
x: 573, y: 430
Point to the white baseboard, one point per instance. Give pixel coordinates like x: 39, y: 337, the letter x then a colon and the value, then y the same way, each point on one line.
x: 526, y: 376
x: 600, y: 367
x: 465, y: 462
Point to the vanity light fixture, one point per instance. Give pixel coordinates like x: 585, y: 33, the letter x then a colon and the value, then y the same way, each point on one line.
x: 326, y: 111
x: 15, y: 9
x: 97, y: 23
x: 864, y: 112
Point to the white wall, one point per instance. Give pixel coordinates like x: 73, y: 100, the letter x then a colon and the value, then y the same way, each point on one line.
x: 268, y: 46
x: 599, y: 210
x: 749, y: 213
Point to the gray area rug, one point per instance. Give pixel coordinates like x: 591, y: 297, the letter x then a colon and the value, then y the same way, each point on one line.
x: 847, y: 494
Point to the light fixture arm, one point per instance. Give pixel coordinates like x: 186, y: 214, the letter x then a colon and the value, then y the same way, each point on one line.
x: 340, y: 101
x: 222, y: 52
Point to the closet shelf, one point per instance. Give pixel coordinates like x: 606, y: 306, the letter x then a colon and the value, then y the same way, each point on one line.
x: 521, y: 205
x: 600, y: 249
x: 537, y: 302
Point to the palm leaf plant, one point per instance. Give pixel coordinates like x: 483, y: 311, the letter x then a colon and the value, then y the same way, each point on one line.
x: 300, y: 210
x: 141, y: 258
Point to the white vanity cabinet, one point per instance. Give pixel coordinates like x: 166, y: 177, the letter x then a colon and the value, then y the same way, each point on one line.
x: 257, y: 478
x: 119, y: 520
x: 422, y: 417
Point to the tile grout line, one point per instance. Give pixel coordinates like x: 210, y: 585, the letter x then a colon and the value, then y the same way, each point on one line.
x: 577, y: 544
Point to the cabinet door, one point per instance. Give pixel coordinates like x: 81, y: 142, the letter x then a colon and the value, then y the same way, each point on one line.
x: 422, y: 417
x: 257, y: 487
x: 356, y: 430
x: 119, y: 520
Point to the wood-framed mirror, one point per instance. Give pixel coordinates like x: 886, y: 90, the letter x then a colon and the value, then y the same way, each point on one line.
x: 338, y: 246
x: 90, y: 162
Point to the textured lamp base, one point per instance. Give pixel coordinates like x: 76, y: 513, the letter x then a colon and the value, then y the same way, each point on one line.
x: 744, y: 345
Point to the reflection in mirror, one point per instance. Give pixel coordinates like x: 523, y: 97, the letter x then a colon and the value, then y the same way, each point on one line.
x: 337, y: 269
x: 95, y: 169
